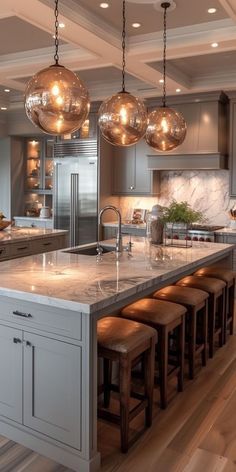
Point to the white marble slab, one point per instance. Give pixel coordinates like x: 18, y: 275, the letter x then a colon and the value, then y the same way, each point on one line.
x: 14, y: 234
x: 81, y: 283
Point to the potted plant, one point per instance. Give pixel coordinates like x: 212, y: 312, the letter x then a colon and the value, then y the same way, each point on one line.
x: 180, y: 216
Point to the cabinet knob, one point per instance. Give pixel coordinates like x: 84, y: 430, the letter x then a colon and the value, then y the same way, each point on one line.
x: 131, y: 187
x: 17, y: 340
x: 28, y: 344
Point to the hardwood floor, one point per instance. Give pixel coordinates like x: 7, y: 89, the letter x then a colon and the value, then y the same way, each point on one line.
x: 197, y: 432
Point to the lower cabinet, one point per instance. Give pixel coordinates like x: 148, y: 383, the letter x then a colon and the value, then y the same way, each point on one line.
x: 41, y: 384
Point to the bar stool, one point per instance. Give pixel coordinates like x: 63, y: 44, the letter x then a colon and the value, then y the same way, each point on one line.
x: 164, y: 317
x: 196, y: 303
x: 216, y: 291
x: 128, y: 343
x: 229, y: 278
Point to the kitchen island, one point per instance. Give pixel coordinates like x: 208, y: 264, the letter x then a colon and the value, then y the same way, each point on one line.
x: 49, y: 307
x: 18, y: 242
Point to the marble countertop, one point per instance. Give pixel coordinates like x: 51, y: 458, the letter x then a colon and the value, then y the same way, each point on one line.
x: 226, y: 231
x: 15, y: 234
x: 128, y: 225
x: 84, y: 284
x: 32, y: 218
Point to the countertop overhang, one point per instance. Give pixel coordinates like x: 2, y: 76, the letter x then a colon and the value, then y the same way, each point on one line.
x: 83, y: 284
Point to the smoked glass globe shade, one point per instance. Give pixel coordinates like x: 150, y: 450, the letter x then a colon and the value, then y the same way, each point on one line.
x: 123, y: 119
x: 56, y: 100
x: 166, y: 129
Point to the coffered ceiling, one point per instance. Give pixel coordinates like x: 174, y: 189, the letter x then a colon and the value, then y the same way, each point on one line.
x: 91, y: 45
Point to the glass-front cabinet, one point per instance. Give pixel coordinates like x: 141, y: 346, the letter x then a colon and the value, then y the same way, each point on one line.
x: 38, y: 174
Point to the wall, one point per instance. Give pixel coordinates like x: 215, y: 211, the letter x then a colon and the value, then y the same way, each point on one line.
x: 207, y: 191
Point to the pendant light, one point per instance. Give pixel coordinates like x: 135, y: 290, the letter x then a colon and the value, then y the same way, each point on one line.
x: 56, y: 100
x: 166, y: 128
x: 123, y: 117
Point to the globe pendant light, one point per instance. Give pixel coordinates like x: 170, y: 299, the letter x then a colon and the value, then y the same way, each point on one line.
x: 166, y: 128
x: 123, y: 117
x: 56, y: 100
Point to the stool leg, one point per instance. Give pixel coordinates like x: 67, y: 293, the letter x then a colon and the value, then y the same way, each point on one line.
x: 125, y: 380
x: 192, y: 343
x: 181, y: 337
x: 149, y: 357
x: 107, y: 374
x: 227, y: 311
x: 231, y: 308
x: 221, y: 308
x: 212, y: 317
x: 205, y: 332
x: 162, y: 347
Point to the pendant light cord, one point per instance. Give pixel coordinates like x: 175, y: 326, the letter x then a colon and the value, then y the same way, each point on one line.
x: 123, y: 48
x: 164, y: 5
x: 56, y: 13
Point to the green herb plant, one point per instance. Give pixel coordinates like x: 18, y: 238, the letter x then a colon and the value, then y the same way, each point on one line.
x: 181, y: 213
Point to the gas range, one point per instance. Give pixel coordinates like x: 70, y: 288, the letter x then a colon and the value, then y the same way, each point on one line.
x: 198, y: 233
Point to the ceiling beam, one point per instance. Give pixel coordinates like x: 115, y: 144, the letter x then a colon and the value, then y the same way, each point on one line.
x: 229, y: 8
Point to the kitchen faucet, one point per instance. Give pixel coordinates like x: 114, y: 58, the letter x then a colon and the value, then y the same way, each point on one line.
x: 119, y: 247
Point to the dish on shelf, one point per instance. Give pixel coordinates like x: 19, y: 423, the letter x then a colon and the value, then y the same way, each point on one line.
x: 4, y: 224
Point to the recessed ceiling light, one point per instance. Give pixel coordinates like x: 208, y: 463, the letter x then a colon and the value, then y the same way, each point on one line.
x: 136, y: 25
x: 3, y: 108
x: 104, y: 5
x: 214, y: 45
x: 211, y: 10
x: 161, y: 81
x: 178, y: 90
x: 62, y: 25
x: 6, y: 90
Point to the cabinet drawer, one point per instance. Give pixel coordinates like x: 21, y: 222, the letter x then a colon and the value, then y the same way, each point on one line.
x: 4, y: 252
x: 49, y: 319
x: 20, y: 249
x: 43, y: 245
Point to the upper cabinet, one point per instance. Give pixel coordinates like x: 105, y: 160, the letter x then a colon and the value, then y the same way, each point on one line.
x: 232, y: 149
x: 39, y: 165
x: 130, y: 173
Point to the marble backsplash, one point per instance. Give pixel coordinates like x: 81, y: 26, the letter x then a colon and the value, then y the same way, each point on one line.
x: 207, y: 191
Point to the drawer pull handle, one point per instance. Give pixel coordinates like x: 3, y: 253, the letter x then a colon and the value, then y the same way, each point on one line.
x: 16, y: 340
x: 21, y: 313
x: 47, y: 244
x: 22, y: 248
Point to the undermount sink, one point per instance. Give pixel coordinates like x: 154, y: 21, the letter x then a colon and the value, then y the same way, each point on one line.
x: 89, y: 251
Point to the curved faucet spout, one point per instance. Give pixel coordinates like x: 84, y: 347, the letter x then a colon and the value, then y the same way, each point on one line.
x: 119, y: 247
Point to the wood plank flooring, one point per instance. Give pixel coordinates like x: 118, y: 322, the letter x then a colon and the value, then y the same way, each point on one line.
x: 197, y: 432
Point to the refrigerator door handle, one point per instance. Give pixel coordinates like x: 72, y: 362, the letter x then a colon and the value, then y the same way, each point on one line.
x: 74, y: 208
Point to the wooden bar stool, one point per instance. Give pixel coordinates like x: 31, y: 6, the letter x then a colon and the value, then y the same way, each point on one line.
x: 128, y: 343
x: 164, y: 317
x: 229, y: 278
x: 216, y: 290
x: 196, y: 303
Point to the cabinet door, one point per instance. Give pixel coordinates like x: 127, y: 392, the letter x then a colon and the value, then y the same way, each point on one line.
x: 11, y: 373
x: 124, y: 170
x: 233, y: 149
x: 208, y: 127
x: 52, y: 389
x: 143, y: 180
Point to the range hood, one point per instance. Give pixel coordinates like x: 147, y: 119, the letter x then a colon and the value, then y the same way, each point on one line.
x: 206, y: 143
x: 187, y: 162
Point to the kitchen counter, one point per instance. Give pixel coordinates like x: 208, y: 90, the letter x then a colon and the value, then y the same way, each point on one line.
x: 114, y: 224
x: 226, y: 231
x: 49, y: 307
x: 15, y: 233
x: 81, y: 283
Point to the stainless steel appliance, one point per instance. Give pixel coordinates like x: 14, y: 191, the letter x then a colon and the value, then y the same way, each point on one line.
x: 198, y: 233
x: 75, y: 202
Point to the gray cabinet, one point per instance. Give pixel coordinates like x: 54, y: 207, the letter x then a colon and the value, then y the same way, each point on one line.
x: 130, y: 171
x: 233, y: 148
x: 52, y: 391
x: 11, y: 373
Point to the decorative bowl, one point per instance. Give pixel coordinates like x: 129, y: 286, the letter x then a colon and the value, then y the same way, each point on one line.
x: 4, y: 224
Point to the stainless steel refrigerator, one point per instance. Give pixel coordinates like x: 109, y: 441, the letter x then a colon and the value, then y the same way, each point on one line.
x: 75, y: 202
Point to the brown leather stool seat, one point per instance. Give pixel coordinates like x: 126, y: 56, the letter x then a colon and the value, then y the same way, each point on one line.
x: 128, y: 343
x: 228, y: 277
x: 216, y: 291
x: 196, y: 302
x: 164, y: 317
